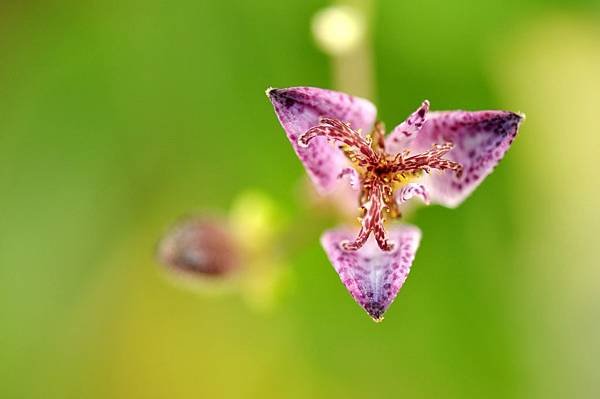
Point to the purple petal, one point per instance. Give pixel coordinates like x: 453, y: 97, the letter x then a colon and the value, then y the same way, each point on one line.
x: 480, y: 141
x: 404, y: 133
x: 373, y: 277
x: 300, y: 108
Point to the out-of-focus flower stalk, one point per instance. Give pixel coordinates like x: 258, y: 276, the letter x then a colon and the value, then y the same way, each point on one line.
x: 342, y: 31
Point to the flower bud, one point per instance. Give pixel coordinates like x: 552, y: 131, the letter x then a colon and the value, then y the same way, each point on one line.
x: 200, y: 246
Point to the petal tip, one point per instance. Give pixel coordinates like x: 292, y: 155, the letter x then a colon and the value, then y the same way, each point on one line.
x: 274, y: 93
x: 375, y: 310
x: 515, y: 115
x: 287, y: 94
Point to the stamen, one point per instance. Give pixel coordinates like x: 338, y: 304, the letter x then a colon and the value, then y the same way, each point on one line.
x: 357, y: 148
x: 428, y: 160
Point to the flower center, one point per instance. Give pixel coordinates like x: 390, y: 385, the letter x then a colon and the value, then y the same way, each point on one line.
x: 381, y: 175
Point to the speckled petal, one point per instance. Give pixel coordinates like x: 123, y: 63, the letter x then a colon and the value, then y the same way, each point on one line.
x: 300, y: 108
x: 480, y: 141
x: 404, y: 133
x: 373, y: 277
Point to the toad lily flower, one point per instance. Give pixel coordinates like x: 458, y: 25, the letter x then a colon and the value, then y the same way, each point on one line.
x: 440, y: 157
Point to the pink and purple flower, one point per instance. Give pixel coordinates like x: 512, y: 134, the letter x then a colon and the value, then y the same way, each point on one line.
x: 440, y: 157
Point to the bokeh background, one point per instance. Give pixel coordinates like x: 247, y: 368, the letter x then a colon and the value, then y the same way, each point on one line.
x: 118, y: 117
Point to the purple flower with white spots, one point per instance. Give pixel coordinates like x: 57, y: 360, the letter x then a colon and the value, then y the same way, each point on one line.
x: 439, y: 157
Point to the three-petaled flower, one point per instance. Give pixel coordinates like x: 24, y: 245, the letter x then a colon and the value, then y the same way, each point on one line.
x: 440, y: 157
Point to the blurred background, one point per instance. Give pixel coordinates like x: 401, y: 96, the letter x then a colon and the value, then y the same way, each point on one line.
x: 119, y: 117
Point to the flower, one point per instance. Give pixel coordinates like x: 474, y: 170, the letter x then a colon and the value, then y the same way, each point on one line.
x: 440, y: 157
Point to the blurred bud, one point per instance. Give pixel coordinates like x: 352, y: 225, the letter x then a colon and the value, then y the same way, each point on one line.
x: 338, y: 29
x: 200, y: 246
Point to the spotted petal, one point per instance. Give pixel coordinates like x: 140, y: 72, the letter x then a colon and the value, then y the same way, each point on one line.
x: 480, y: 141
x: 373, y: 277
x: 300, y: 108
x: 405, y: 132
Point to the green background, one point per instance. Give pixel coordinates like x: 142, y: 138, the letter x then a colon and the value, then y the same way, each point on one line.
x: 118, y: 117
